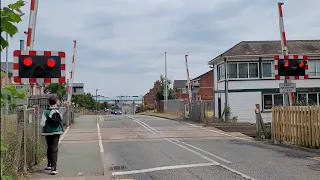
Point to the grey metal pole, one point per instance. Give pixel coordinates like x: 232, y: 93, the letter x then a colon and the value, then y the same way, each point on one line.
x: 96, y: 101
x: 7, y: 74
x: 166, y: 83
x: 21, y: 44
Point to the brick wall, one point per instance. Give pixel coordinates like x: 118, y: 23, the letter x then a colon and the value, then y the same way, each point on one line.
x: 206, y: 87
x: 149, y: 98
x: 180, y: 94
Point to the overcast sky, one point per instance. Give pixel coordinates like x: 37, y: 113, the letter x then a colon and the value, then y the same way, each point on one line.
x: 118, y: 39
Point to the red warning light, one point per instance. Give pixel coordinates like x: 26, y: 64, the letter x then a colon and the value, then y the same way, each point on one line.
x: 301, y: 64
x: 51, y: 62
x: 27, y: 61
x: 286, y: 64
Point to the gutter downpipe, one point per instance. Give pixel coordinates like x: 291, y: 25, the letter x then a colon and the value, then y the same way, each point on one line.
x: 225, y: 88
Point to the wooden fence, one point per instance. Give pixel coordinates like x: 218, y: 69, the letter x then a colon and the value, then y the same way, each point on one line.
x: 299, y: 125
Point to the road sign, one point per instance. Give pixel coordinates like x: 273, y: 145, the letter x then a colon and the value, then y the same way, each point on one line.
x: 287, y: 87
x: 24, y: 87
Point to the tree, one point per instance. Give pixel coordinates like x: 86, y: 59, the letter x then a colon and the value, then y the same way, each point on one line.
x: 56, y: 88
x: 84, y: 100
x: 160, y: 91
x: 10, y: 16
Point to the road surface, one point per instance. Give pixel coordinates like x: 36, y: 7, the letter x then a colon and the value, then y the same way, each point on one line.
x: 149, y: 148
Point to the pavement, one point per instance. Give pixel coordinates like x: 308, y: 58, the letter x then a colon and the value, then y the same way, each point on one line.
x: 142, y: 147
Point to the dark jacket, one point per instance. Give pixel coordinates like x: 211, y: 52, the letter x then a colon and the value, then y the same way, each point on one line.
x: 47, y: 129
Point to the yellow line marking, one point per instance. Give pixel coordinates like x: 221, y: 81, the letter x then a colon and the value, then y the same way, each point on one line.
x: 316, y: 158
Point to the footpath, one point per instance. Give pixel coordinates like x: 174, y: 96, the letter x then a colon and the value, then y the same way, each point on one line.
x: 79, y: 156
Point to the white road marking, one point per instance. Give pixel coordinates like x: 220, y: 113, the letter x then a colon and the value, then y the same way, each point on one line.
x: 103, y: 157
x: 64, y: 134
x: 99, y: 138
x: 213, y: 155
x: 194, y: 152
x: 201, y: 155
x: 149, y: 128
x: 162, y: 168
x: 144, y: 126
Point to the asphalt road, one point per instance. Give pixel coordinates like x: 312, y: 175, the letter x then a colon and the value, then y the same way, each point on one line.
x: 142, y: 148
x: 148, y: 148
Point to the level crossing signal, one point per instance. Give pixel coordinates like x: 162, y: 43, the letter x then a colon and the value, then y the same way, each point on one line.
x: 291, y: 67
x: 39, y: 67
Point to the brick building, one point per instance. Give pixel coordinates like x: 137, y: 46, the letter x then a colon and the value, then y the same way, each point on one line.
x: 180, y: 89
x: 205, y: 90
x: 149, y: 98
x: 202, y: 90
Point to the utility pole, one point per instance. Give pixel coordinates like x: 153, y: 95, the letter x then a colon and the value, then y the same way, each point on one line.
x: 166, y: 83
x: 96, y: 101
x: 289, y: 98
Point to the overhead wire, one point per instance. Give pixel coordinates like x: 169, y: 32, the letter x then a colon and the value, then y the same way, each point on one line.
x: 150, y: 63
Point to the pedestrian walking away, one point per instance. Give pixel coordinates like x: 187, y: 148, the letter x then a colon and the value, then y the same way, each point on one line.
x: 52, y: 129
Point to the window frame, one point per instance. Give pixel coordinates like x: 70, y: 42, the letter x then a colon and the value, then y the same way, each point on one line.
x: 317, y: 64
x: 307, y: 96
x: 272, y: 70
x: 272, y: 95
x: 220, y: 72
x: 248, y: 70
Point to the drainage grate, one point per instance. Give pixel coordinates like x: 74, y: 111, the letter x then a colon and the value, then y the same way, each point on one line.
x: 117, y: 168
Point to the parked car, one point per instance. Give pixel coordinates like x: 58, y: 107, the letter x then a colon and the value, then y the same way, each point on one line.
x: 117, y: 113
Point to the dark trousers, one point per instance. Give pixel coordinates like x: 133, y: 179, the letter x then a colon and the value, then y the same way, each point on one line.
x: 52, y: 150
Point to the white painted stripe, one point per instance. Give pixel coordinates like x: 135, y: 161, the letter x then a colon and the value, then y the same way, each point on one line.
x: 24, y: 52
x: 63, y: 73
x: 99, y: 138
x: 63, y: 60
x: 15, y: 59
x: 162, y: 168
x: 40, y: 80
x: 25, y: 80
x: 237, y: 172
x: 15, y: 73
x: 205, y: 157
x: 204, y: 151
x: 144, y: 126
x: 54, y: 80
x: 54, y: 53
x: 194, y: 152
x: 64, y: 134
x: 149, y: 127
x: 141, y: 124
x: 40, y: 53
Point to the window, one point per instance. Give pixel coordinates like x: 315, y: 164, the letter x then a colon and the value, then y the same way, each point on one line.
x: 74, y: 90
x: 314, y: 68
x: 270, y: 100
x: 309, y: 98
x: 243, y: 70
x: 232, y: 71
x: 184, y: 90
x: 312, y: 99
x: 267, y: 69
x: 221, y: 71
x: 253, y: 70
